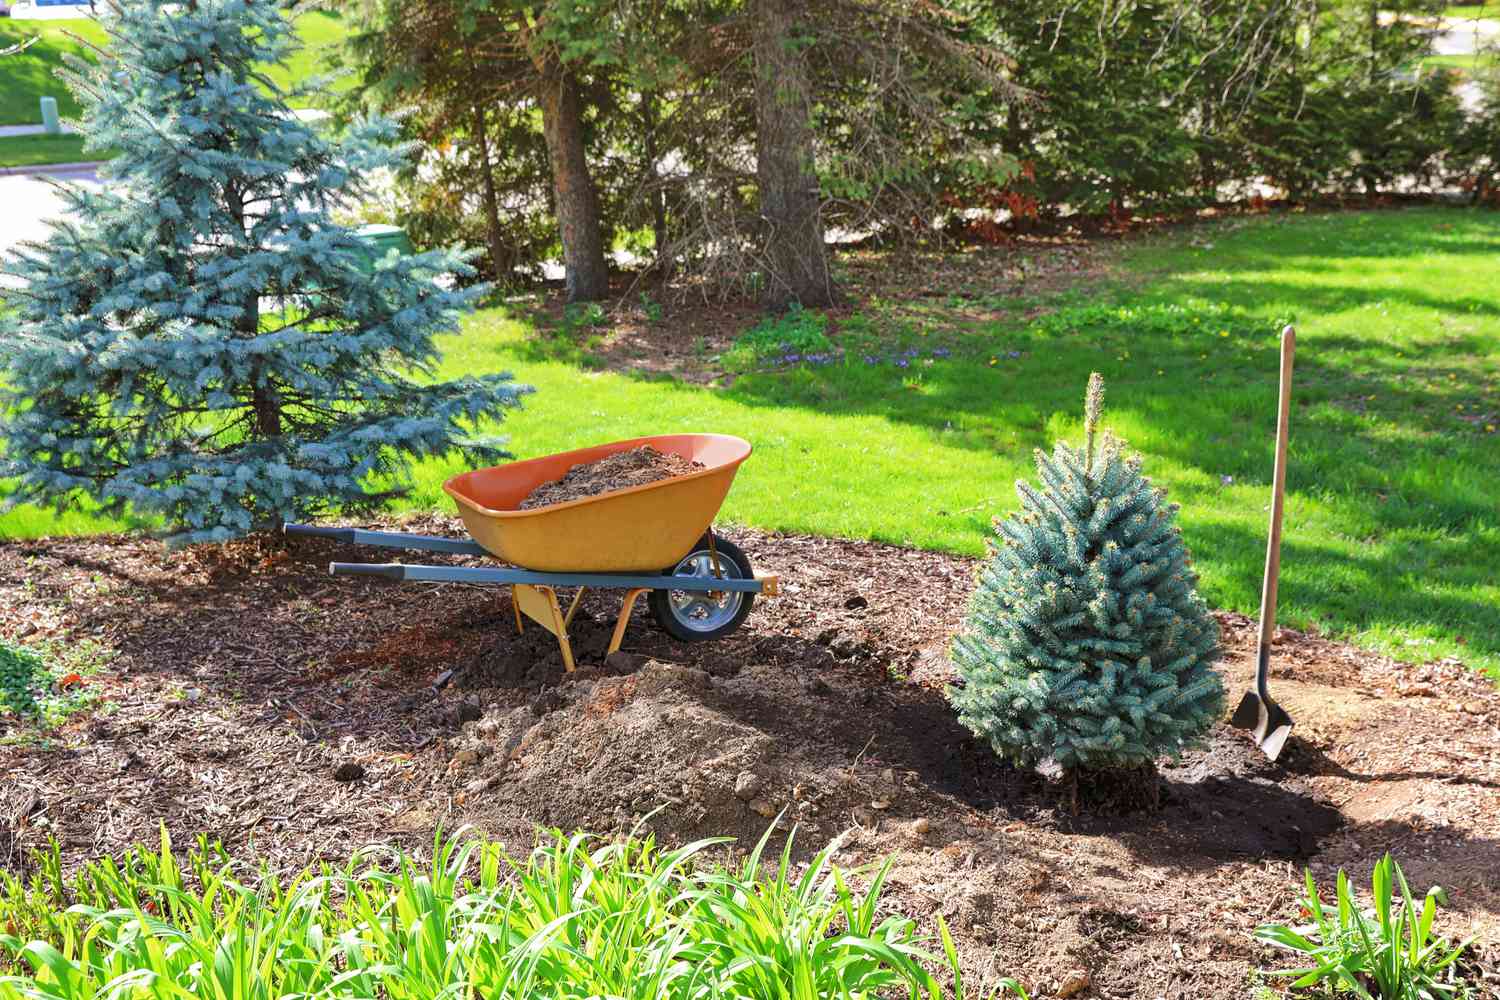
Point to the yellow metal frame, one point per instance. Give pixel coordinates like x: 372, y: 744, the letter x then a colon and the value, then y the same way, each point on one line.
x: 540, y: 604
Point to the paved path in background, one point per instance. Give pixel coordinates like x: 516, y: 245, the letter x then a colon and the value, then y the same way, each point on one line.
x: 1461, y: 37
x: 10, y: 130
x: 28, y: 201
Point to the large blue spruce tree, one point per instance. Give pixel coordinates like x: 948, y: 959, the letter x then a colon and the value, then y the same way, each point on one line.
x: 200, y: 340
x: 1087, y: 645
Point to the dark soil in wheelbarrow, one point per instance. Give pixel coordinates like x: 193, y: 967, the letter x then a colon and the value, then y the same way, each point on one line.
x: 622, y: 470
x: 253, y: 698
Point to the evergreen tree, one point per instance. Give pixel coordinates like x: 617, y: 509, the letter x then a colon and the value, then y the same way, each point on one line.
x: 200, y: 340
x: 1087, y: 645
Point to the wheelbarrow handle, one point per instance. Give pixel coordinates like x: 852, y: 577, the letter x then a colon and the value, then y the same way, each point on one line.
x: 390, y: 571
x: 345, y: 535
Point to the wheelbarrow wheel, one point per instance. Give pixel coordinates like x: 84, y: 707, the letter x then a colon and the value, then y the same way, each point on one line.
x: 696, y: 616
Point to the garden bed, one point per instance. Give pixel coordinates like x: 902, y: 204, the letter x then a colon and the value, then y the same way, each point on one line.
x: 253, y: 698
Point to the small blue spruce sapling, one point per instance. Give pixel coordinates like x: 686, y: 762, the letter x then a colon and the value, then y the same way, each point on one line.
x: 199, y: 342
x: 1087, y: 645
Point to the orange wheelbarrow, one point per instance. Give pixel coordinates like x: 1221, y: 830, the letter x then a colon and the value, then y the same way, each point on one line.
x: 653, y: 539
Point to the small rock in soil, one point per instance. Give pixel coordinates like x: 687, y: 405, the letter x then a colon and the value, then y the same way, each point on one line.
x: 856, y: 602
x: 763, y: 807
x: 479, y: 785
x: 921, y: 826
x: 348, y: 771
x: 747, y: 785
x: 622, y: 470
x: 1074, y: 983
x: 466, y: 757
x: 845, y: 647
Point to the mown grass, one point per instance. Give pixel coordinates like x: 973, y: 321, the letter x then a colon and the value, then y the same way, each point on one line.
x: 27, y: 76
x: 577, y: 918
x: 39, y: 150
x: 1393, y: 528
x: 1471, y: 11
x: 1469, y: 62
x: 1392, y: 525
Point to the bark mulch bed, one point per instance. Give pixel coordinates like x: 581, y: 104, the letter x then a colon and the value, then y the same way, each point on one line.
x: 294, y: 715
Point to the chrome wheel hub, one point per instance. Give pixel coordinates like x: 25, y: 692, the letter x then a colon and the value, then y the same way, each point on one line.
x: 699, y: 611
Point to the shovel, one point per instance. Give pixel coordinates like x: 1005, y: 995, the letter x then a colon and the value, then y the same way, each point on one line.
x: 1268, y: 722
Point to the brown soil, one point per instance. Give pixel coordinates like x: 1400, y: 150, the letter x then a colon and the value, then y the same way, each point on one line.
x: 619, y: 471
x: 826, y: 709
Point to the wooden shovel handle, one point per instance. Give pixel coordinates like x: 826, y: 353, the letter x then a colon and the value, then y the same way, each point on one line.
x: 1278, y: 490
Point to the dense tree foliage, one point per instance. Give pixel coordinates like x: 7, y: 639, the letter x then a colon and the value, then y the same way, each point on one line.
x: 199, y: 339
x: 727, y: 140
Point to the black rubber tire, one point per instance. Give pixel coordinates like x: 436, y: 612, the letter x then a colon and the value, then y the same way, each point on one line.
x: 733, y: 563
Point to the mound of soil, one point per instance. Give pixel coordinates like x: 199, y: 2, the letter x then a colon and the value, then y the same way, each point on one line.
x: 385, y: 712
x: 619, y: 471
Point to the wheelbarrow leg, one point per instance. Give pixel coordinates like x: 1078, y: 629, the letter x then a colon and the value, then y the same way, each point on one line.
x: 625, y: 609
x: 540, y: 605
x: 573, y: 607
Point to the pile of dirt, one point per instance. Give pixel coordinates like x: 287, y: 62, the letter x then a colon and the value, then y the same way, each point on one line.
x: 690, y: 754
x: 386, y: 712
x: 622, y: 470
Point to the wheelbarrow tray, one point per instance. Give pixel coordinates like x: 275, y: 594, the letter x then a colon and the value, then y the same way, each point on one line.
x: 634, y: 530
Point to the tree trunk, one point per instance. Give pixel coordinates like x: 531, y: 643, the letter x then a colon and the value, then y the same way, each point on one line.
x: 650, y: 124
x: 790, y: 203
x: 499, y: 259
x: 265, y: 404
x: 586, y: 275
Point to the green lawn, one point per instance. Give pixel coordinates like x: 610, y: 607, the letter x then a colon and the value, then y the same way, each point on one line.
x: 1469, y: 62
x: 1393, y: 519
x: 37, y: 150
x: 1470, y: 11
x: 27, y: 76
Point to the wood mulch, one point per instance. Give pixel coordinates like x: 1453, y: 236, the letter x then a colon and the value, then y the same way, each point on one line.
x: 253, y: 698
x: 622, y: 470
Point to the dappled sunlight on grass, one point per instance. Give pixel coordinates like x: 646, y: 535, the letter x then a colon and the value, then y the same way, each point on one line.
x: 1392, y: 525
x: 1392, y: 521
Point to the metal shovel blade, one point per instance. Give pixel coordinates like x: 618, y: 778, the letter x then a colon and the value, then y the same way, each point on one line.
x: 1268, y: 722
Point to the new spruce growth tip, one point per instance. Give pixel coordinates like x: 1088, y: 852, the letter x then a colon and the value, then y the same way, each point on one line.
x: 1087, y: 645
